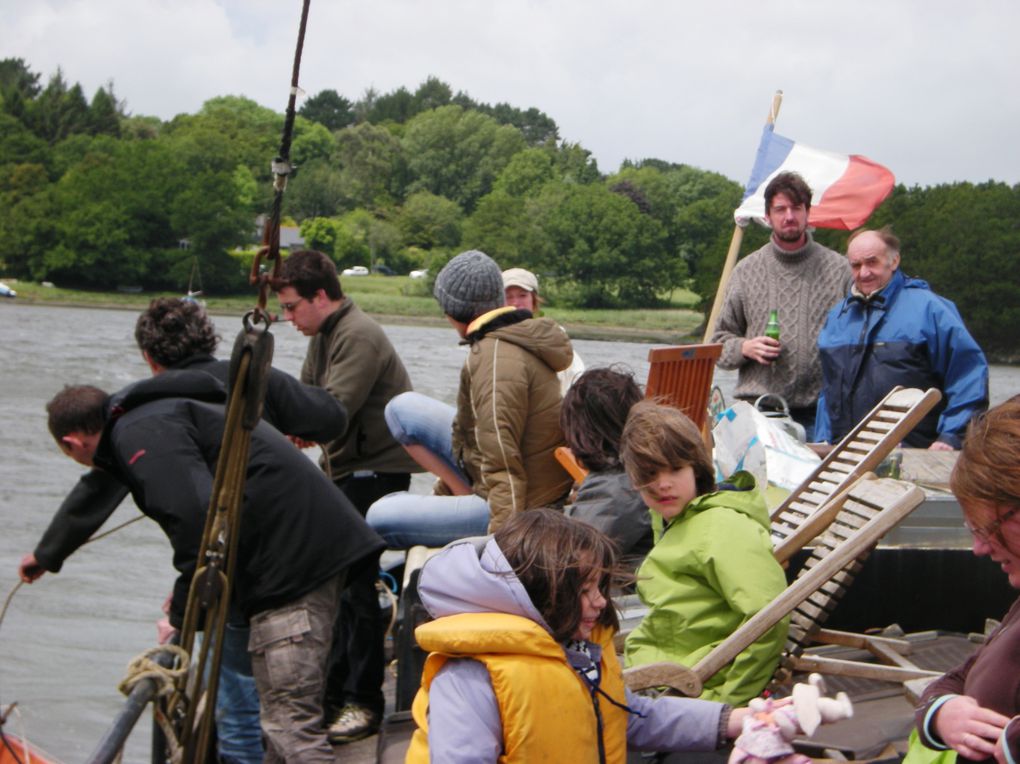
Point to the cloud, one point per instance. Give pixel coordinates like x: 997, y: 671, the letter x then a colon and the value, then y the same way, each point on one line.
x: 923, y: 87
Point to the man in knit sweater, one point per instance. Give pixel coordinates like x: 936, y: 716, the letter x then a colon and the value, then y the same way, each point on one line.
x: 799, y: 279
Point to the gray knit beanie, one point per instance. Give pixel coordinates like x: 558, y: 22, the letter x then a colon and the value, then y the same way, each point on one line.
x: 469, y: 285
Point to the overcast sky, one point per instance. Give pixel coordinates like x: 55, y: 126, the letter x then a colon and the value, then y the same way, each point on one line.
x: 929, y: 88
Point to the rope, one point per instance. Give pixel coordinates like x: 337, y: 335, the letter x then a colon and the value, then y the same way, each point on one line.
x: 143, y: 667
x: 7, y: 601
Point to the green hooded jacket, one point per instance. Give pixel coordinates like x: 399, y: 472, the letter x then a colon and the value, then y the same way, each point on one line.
x: 711, y: 570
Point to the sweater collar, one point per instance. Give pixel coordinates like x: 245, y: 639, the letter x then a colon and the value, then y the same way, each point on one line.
x: 795, y: 255
x: 334, y: 318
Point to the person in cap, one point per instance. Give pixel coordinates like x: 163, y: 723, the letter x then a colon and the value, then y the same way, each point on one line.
x: 521, y: 289
x: 494, y: 452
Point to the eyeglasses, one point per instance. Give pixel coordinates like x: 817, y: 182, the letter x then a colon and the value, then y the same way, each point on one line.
x: 288, y: 307
x: 992, y: 529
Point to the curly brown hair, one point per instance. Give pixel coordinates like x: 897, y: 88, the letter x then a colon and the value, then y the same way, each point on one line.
x: 171, y: 330
x: 554, y: 556
x: 660, y: 438
x: 988, y: 468
x: 593, y: 413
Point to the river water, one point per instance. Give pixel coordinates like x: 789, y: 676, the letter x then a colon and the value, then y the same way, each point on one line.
x: 67, y: 638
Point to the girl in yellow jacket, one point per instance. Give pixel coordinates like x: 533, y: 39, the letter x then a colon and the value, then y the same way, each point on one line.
x: 522, y: 666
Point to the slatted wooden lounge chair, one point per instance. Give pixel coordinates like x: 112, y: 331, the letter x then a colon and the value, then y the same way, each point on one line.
x: 861, y: 451
x: 868, y: 510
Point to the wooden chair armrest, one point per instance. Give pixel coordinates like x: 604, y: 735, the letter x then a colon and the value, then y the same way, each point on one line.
x: 672, y: 675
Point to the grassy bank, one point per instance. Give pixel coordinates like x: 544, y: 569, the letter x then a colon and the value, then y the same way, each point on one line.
x: 399, y: 299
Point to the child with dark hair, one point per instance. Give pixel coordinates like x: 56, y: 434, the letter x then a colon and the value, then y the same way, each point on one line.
x: 522, y: 665
x: 712, y: 567
x: 594, y: 411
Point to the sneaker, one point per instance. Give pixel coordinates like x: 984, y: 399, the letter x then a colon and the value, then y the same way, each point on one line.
x: 352, y: 723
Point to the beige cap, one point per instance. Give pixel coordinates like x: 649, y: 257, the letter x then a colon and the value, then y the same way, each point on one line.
x: 519, y: 277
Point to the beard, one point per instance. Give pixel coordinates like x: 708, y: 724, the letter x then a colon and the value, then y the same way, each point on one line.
x: 789, y: 234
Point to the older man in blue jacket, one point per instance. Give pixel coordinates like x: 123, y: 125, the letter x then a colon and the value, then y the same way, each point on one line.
x: 893, y: 330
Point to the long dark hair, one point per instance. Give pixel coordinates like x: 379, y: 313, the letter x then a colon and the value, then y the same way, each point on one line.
x: 593, y: 413
x: 554, y: 556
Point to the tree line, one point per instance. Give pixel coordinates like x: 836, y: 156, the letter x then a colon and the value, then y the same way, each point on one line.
x: 95, y: 197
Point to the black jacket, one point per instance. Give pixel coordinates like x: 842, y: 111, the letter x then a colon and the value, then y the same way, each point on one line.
x: 162, y: 439
x: 290, y: 406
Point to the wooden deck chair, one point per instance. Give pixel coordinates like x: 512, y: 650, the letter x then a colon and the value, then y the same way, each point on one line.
x: 869, y: 510
x: 861, y: 451
x: 679, y: 376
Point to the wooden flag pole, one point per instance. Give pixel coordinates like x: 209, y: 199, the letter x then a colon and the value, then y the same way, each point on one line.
x: 735, y: 242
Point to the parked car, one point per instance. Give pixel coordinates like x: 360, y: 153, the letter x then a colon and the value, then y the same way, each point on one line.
x: 6, y: 291
x: 357, y: 270
x: 420, y: 274
x: 385, y: 270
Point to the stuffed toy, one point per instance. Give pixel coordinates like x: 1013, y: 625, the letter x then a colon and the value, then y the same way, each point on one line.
x: 768, y: 731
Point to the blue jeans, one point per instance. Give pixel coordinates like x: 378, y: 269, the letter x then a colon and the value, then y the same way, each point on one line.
x: 408, y: 519
x: 404, y: 519
x: 237, y: 702
x: 417, y: 420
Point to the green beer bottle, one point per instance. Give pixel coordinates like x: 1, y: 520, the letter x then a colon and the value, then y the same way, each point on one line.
x: 772, y: 327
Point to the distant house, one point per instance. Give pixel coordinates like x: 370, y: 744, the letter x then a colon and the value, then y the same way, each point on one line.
x: 290, y: 235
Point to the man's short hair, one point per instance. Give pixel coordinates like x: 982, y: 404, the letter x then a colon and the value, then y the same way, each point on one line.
x: 791, y: 184
x: 308, y: 271
x: 76, y: 408
x: 885, y: 233
x: 171, y: 330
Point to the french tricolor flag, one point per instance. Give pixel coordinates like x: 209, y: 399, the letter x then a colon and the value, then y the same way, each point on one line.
x: 846, y: 189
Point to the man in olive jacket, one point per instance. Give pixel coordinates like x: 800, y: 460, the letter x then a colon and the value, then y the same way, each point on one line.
x: 351, y: 357
x: 505, y: 428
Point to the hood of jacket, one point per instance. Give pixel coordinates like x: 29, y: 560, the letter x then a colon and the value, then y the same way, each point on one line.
x: 739, y: 493
x: 172, y: 383
x: 542, y: 337
x: 473, y: 576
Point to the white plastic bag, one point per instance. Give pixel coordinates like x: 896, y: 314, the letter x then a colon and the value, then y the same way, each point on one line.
x: 745, y: 439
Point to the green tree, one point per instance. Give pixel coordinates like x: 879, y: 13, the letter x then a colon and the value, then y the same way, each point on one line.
x: 317, y: 190
x: 501, y: 227
x: 575, y: 164
x: 431, y: 94
x: 603, y: 245
x: 458, y: 154
x: 365, y: 240
x: 526, y: 173
x: 321, y: 233
x: 371, y: 166
x: 311, y: 141
x: 104, y: 113
x: 397, y: 106
x: 329, y: 109
x: 428, y: 221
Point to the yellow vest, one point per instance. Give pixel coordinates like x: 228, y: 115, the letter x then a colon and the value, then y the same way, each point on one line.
x: 546, y: 708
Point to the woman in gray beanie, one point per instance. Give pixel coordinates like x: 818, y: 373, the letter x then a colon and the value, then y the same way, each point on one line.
x: 494, y: 453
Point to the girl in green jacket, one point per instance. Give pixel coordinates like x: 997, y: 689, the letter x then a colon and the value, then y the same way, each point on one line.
x: 712, y: 567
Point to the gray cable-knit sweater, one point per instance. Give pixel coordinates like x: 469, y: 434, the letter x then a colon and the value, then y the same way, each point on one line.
x: 802, y: 285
